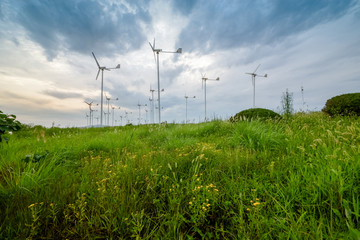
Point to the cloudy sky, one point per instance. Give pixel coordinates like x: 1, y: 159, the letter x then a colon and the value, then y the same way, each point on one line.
x: 47, y: 70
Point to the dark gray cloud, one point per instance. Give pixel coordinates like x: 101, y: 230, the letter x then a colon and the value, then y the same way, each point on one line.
x: 83, y: 25
x: 62, y: 95
x: 216, y: 25
x: 184, y: 6
x: 1, y: 11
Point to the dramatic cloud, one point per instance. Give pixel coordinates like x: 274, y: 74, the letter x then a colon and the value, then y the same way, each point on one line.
x: 216, y: 25
x: 47, y: 70
x: 81, y: 25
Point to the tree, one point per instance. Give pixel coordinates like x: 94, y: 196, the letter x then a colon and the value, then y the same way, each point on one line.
x: 8, y: 123
x: 287, y: 103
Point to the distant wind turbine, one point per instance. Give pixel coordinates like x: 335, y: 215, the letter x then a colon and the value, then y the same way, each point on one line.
x: 91, y: 110
x: 108, y: 103
x: 102, y: 83
x: 204, y: 79
x: 186, y: 103
x: 253, y: 76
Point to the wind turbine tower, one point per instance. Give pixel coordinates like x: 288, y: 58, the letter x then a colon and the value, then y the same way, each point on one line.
x: 102, y: 83
x: 157, y: 51
x: 204, y: 80
x: 186, y: 103
x: 152, y: 105
x: 302, y: 96
x: 253, y: 76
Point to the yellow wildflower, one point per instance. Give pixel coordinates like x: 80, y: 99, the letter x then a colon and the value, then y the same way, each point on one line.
x: 32, y: 205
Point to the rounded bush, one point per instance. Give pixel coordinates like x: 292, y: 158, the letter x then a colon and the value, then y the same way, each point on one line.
x: 255, y: 113
x: 344, y: 105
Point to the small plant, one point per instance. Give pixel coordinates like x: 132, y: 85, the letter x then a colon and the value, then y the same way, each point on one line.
x: 8, y: 123
x: 344, y: 105
x: 255, y: 113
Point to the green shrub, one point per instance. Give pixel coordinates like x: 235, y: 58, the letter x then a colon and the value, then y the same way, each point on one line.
x: 8, y: 124
x: 344, y: 105
x: 255, y: 113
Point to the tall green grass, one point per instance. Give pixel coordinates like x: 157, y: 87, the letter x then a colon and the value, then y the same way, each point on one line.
x: 296, y: 178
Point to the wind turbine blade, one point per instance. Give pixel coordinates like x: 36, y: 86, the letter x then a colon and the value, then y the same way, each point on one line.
x: 98, y: 74
x: 155, y: 57
x: 257, y: 68
x: 151, y: 46
x: 154, y: 43
x: 96, y: 59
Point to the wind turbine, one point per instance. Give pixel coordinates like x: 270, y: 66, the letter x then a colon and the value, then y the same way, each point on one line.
x: 204, y: 79
x: 102, y: 83
x: 157, y: 51
x: 186, y: 100
x: 89, y: 103
x: 302, y: 96
x: 108, y: 103
x: 152, y: 105
x: 113, y: 113
x: 139, y: 105
x: 91, y: 110
x: 253, y: 76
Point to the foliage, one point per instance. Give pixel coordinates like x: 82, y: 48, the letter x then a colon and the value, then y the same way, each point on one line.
x: 287, y: 103
x: 8, y: 123
x: 288, y: 179
x: 255, y: 113
x: 344, y: 105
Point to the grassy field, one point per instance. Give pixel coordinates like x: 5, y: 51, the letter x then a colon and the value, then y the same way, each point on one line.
x: 297, y: 178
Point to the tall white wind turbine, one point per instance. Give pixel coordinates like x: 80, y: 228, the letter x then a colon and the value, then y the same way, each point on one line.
x: 253, y: 76
x: 157, y: 51
x: 102, y: 83
x: 204, y: 80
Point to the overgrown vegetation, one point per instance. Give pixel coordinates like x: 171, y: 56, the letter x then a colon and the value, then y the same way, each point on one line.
x: 293, y: 179
x: 255, y: 114
x: 344, y: 105
x: 8, y: 123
